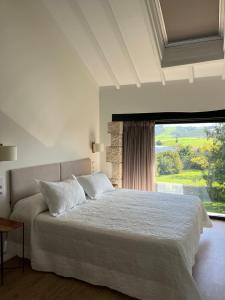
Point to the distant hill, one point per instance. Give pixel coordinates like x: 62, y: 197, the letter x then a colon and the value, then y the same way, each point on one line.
x: 163, y: 131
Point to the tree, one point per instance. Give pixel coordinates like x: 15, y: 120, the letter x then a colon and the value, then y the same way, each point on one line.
x: 159, y: 143
x: 186, y: 154
x: 215, y: 175
x: 169, y: 162
x: 199, y: 162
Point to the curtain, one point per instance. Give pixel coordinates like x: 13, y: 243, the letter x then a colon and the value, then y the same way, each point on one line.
x: 138, y: 155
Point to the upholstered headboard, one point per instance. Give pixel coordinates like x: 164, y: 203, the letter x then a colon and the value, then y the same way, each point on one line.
x: 75, y: 167
x: 22, y: 181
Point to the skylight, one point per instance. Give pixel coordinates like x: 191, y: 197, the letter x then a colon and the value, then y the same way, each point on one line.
x: 188, y: 20
x: 187, y: 31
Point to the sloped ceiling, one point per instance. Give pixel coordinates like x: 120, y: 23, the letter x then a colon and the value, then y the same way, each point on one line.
x: 114, y: 39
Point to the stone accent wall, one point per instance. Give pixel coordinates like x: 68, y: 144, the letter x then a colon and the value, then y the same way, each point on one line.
x: 114, y: 153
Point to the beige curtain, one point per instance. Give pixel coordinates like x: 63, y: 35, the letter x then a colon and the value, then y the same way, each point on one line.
x: 138, y: 155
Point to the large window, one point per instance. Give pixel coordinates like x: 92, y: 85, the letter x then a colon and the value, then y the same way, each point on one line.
x: 190, y: 154
x: 190, y: 159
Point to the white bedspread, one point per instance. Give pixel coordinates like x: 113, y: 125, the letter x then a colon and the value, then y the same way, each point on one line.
x: 142, y: 244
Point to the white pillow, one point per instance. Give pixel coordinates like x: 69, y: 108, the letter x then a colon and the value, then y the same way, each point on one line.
x: 95, y: 185
x: 25, y: 210
x: 29, y: 208
x: 62, y: 196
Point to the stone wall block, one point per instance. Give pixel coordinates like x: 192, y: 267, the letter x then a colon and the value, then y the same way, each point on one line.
x: 115, y: 128
x: 116, y: 140
x: 117, y: 171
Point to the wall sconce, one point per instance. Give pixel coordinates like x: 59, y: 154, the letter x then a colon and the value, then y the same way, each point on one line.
x: 8, y: 153
x: 97, y: 147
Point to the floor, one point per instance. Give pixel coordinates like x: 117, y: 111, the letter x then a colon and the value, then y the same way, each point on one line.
x: 209, y: 269
x: 209, y: 272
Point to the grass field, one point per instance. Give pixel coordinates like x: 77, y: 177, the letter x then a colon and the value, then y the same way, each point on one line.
x: 187, y: 177
x: 168, y: 138
x: 193, y: 178
x: 183, y: 141
x: 215, y: 207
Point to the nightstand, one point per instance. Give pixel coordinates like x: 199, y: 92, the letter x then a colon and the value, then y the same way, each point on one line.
x: 6, y: 226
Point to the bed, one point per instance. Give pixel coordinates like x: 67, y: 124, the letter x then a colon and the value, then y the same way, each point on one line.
x: 139, y: 243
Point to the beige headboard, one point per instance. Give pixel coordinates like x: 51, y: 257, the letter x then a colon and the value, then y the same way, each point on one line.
x: 75, y: 167
x: 22, y: 181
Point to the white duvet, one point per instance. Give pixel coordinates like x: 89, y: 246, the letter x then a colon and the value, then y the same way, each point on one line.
x: 142, y: 244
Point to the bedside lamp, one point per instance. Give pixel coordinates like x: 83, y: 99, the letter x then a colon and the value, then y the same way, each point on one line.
x: 8, y: 153
x: 97, y: 147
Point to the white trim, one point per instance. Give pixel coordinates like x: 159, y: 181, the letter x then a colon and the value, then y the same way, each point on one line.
x: 112, y: 15
x: 152, y: 19
x: 161, y: 21
x: 149, y: 22
x: 193, y: 53
x: 221, y: 18
x: 203, y: 63
x: 163, y: 77
x: 95, y: 42
x: 194, y: 41
x: 223, y: 71
x: 191, y: 73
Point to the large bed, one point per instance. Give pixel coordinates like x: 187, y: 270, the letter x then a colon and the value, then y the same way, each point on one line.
x: 140, y: 243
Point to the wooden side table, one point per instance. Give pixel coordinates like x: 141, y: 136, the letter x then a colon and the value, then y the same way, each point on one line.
x: 6, y: 226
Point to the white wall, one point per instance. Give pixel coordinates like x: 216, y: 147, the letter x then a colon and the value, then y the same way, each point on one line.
x: 203, y: 94
x: 49, y: 105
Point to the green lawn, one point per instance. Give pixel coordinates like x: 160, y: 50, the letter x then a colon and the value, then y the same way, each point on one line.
x: 183, y: 141
x: 193, y: 178
x: 187, y: 177
x: 215, y: 207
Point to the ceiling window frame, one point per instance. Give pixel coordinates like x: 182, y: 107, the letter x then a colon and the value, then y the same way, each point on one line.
x: 186, y: 51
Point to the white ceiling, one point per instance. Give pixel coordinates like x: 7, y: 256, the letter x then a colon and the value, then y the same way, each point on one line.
x: 114, y: 39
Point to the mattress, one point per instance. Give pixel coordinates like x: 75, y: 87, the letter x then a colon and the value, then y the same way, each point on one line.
x: 140, y: 243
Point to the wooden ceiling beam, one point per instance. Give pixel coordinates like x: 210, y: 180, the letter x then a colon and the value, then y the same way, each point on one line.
x: 92, y: 37
x: 113, y: 18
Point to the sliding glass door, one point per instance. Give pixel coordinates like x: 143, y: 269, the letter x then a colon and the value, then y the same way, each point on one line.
x: 190, y: 159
